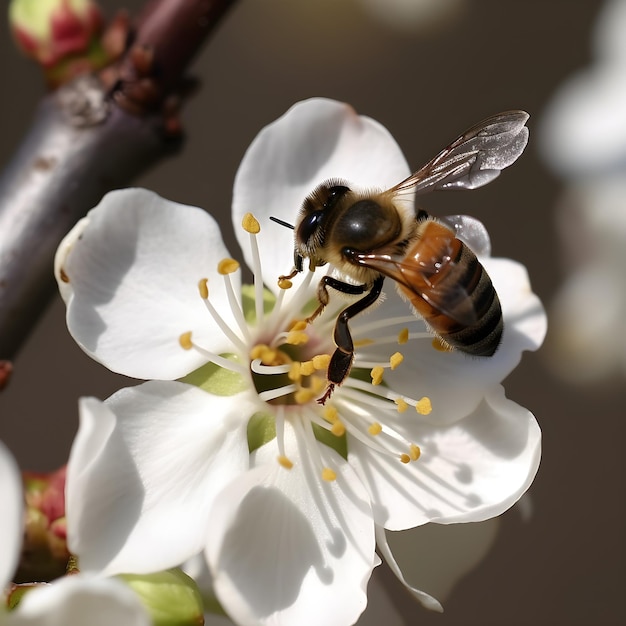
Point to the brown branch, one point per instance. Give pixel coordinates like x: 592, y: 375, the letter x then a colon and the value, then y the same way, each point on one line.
x: 93, y: 135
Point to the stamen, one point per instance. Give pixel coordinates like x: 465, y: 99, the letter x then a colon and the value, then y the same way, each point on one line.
x: 424, y: 406
x: 330, y: 414
x: 219, y: 320
x: 377, y: 375
x: 203, y: 288
x: 403, y: 336
x: 283, y: 461
x: 307, y: 368
x: 296, y: 338
x: 257, y: 367
x: 272, y: 394
x: 186, y: 342
x: 338, y: 429
x: 328, y: 474
x: 405, y: 458
x: 299, y: 325
x: 303, y: 395
x: 235, y: 306
x: 227, y: 266
x: 395, y: 360
x: 402, y: 405
x: 375, y: 429
x: 251, y: 225
x: 295, y: 371
x: 385, y: 323
x: 415, y: 452
x: 284, y: 283
x: 321, y: 361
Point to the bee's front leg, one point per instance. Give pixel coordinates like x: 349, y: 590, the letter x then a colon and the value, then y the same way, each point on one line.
x: 341, y: 360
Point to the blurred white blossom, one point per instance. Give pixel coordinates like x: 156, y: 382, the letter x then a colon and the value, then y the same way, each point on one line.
x: 583, y: 138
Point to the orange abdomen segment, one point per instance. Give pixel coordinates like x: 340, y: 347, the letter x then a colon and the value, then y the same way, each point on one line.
x: 450, y: 289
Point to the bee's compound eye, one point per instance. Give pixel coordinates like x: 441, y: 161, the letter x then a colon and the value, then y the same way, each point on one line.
x: 310, y: 223
x: 334, y: 193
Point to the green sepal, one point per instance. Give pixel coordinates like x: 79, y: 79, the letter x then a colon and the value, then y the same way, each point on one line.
x: 325, y: 436
x: 248, y: 300
x: 261, y: 430
x: 218, y: 380
x: 171, y: 597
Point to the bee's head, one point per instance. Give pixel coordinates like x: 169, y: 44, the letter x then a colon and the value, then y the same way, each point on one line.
x: 314, y: 221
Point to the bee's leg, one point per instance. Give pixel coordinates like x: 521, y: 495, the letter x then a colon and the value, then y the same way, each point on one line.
x: 341, y: 361
x: 323, y: 297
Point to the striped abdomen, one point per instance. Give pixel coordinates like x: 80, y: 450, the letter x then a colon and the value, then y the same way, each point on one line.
x: 451, y: 290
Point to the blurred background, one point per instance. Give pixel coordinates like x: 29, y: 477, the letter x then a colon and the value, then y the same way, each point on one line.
x: 427, y: 75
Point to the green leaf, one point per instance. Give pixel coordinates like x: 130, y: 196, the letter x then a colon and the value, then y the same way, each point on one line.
x: 338, y: 444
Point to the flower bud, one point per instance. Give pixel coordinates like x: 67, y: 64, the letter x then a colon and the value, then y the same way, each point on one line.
x: 171, y: 597
x: 44, y: 554
x: 62, y: 36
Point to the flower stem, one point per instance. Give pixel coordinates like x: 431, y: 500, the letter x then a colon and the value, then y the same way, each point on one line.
x: 92, y: 135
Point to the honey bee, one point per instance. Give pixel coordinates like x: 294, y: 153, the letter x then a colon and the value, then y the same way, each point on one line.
x: 370, y: 235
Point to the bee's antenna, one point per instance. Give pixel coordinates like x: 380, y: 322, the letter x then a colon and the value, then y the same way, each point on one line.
x: 285, y: 224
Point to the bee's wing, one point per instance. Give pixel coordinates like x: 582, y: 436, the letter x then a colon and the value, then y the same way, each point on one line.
x: 471, y: 231
x: 475, y: 158
x: 449, y: 298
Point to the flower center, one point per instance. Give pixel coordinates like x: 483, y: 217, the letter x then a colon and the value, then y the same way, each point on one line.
x: 288, y: 361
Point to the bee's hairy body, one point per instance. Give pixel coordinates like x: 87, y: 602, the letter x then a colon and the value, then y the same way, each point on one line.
x: 372, y: 234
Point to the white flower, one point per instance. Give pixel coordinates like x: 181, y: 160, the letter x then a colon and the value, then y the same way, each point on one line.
x: 583, y: 135
x: 71, y: 601
x: 286, y: 498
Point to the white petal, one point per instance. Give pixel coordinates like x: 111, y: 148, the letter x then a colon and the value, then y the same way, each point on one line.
x: 467, y: 472
x: 133, y: 267
x: 289, y: 548
x: 456, y: 382
x: 143, y: 471
x: 435, y: 557
x: 79, y: 600
x: 11, y: 520
x: 314, y: 141
x: 424, y: 598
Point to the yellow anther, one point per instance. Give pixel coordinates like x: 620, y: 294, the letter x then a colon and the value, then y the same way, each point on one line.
x: 415, y: 452
x: 405, y: 458
x: 283, y: 461
x: 258, y: 350
x: 338, y: 429
x: 298, y: 325
x: 328, y: 474
x: 424, y: 406
x: 377, y: 375
x: 203, y: 288
x: 250, y: 224
x: 296, y: 338
x: 294, y: 372
x: 403, y: 336
x: 375, y: 429
x: 285, y: 283
x: 227, y: 266
x: 307, y: 368
x: 395, y: 359
x: 185, y: 341
x: 402, y: 405
x: 441, y: 345
x: 63, y: 276
x: 361, y: 343
x: 303, y: 395
x: 317, y: 383
x: 321, y: 361
x: 330, y: 414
